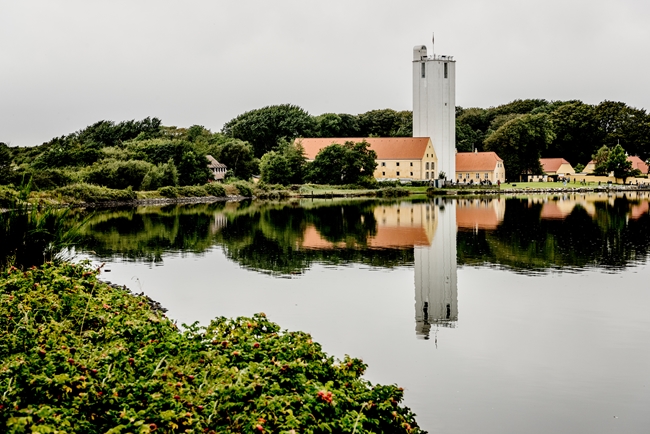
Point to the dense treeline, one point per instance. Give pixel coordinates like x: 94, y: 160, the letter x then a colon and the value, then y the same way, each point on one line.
x: 145, y: 155
x: 524, y: 130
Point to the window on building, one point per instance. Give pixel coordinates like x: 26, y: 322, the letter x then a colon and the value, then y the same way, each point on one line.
x: 383, y: 173
x: 397, y: 164
x: 411, y: 173
x: 397, y: 173
x: 486, y: 175
x: 383, y: 164
x: 426, y: 166
x: 411, y: 164
x: 446, y: 69
x: 433, y: 166
x: 423, y: 69
x: 478, y: 176
x: 427, y: 175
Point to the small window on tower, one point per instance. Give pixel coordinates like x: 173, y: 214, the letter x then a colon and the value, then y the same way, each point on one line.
x: 446, y: 70
x: 422, y: 69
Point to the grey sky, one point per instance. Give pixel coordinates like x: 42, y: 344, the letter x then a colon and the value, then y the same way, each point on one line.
x: 67, y: 64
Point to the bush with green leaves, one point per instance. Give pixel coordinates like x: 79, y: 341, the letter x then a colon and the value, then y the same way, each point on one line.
x: 244, y: 188
x: 168, y: 191
x: 119, y: 174
x: 215, y: 189
x: 77, y: 355
x: 94, y: 193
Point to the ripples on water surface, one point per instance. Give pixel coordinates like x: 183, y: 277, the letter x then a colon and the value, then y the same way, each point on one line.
x: 520, y: 315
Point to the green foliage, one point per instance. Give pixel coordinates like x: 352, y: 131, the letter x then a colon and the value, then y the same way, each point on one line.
x: 78, y: 355
x: 238, y: 156
x: 168, y: 191
x: 392, y: 192
x: 29, y: 235
x: 284, y: 166
x: 619, y: 164
x: 215, y: 189
x: 386, y: 123
x: 343, y: 164
x: 336, y: 125
x: 579, y: 168
x: 5, y: 163
x: 600, y: 159
x: 93, y: 193
x: 520, y: 142
x: 160, y: 176
x: 119, y: 174
x: 263, y: 128
x: 244, y: 188
x: 193, y: 169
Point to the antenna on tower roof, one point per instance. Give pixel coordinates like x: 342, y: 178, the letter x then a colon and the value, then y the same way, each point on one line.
x: 433, y: 41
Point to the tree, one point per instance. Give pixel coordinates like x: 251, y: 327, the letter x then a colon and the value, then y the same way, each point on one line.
x: 239, y: 157
x: 263, y: 128
x: 619, y: 164
x: 579, y: 168
x: 284, y: 166
x: 343, y: 164
x: 386, y: 123
x: 600, y: 159
x: 576, y: 132
x: 193, y: 169
x: 336, y: 125
x: 520, y: 142
x: 5, y: 163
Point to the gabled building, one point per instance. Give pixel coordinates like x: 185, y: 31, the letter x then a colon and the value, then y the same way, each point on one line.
x: 409, y: 158
x: 218, y: 170
x: 477, y: 167
x: 637, y: 163
x: 554, y: 169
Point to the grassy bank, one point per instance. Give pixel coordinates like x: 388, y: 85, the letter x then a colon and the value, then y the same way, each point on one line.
x: 77, y: 355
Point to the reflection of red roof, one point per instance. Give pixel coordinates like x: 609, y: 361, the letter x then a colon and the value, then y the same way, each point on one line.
x: 639, y: 210
x: 552, y: 164
x: 473, y: 161
x: 552, y: 211
x: 387, y: 148
x: 476, y: 218
x: 386, y: 237
x: 638, y: 163
x: 393, y: 236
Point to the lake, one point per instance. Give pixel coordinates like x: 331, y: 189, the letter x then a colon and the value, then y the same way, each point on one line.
x: 521, y: 314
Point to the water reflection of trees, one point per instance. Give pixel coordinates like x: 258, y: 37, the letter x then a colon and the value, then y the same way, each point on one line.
x: 271, y: 237
x: 525, y: 241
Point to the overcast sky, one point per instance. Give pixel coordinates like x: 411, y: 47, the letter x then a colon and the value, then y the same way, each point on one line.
x: 67, y: 64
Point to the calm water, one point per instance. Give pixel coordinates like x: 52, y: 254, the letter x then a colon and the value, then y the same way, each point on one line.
x: 518, y: 315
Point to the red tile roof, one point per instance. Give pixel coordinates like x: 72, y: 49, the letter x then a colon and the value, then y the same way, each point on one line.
x: 473, y: 161
x: 552, y: 164
x: 387, y: 148
x: 638, y: 163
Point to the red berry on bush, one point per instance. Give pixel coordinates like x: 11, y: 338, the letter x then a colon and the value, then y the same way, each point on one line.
x: 131, y: 360
x: 153, y: 426
x: 256, y: 345
x: 71, y: 361
x: 176, y: 397
x: 260, y: 428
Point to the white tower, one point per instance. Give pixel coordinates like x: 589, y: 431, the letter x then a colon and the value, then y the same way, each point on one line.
x: 436, y: 288
x: 434, y: 105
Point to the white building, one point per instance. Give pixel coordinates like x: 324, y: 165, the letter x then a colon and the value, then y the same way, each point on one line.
x: 436, y: 288
x: 434, y: 105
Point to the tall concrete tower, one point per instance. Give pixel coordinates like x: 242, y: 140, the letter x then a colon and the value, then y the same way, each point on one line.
x: 434, y: 105
x: 436, y: 288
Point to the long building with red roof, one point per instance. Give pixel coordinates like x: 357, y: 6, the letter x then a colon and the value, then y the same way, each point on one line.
x: 475, y: 167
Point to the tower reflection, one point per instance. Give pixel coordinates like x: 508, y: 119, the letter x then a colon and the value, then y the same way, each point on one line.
x: 436, y: 289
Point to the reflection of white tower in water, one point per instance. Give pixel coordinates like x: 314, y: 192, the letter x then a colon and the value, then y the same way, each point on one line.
x: 436, y: 290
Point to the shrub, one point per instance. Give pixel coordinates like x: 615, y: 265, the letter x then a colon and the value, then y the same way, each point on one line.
x: 244, y: 189
x: 192, y: 191
x: 94, y: 193
x: 80, y: 356
x: 119, y: 174
x: 215, y: 189
x: 392, y: 192
x: 168, y: 191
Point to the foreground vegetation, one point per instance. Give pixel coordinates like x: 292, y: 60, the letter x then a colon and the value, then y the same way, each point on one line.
x: 77, y: 355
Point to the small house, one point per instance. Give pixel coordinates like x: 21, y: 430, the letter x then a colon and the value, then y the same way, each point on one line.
x: 479, y: 168
x: 218, y: 170
x: 554, y: 169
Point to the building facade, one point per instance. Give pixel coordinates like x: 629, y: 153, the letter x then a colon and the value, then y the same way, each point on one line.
x: 479, y: 167
x: 408, y: 158
x: 434, y: 105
